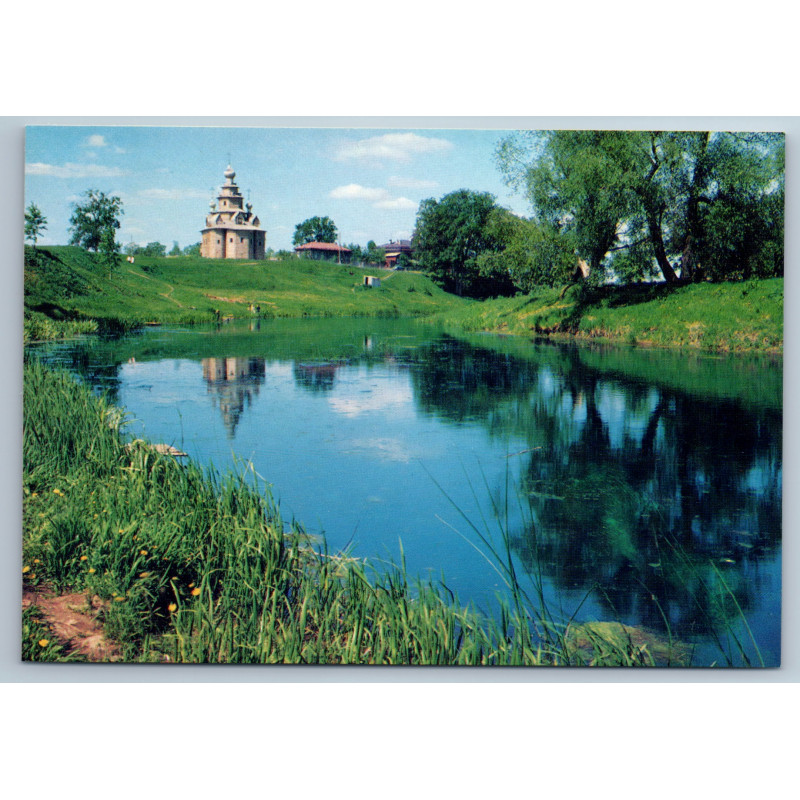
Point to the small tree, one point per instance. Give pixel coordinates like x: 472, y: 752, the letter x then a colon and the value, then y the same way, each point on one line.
x: 192, y: 249
x: 35, y: 223
x: 315, y: 229
x: 176, y: 251
x: 91, y: 220
x: 154, y: 249
x: 109, y: 249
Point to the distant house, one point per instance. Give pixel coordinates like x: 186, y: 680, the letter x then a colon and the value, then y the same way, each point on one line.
x: 371, y: 280
x: 324, y: 251
x: 394, y: 250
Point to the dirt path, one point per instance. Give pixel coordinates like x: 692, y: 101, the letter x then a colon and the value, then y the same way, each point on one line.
x: 167, y: 295
x: 73, y: 621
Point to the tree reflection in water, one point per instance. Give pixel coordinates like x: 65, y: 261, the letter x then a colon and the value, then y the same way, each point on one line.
x: 661, y: 503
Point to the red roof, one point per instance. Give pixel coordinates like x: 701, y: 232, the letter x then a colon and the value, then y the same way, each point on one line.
x: 330, y: 246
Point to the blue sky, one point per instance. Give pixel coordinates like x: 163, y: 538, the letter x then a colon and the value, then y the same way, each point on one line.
x: 369, y: 181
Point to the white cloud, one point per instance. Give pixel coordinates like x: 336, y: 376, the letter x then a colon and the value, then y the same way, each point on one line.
x: 96, y: 140
x: 411, y: 183
x: 392, y: 146
x: 352, y: 191
x: 71, y: 170
x: 397, y: 203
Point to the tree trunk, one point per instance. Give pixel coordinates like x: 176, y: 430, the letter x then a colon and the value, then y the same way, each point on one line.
x: 657, y: 241
x: 688, y: 265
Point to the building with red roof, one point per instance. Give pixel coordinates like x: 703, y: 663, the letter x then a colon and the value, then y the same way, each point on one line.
x: 324, y: 251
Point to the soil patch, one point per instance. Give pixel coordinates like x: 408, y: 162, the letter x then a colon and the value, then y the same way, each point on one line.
x: 73, y: 621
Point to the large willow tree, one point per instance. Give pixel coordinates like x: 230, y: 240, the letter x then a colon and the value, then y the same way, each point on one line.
x: 657, y: 204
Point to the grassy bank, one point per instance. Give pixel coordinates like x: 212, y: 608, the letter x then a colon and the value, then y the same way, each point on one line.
x: 183, y: 565
x: 65, y: 285
x: 733, y: 317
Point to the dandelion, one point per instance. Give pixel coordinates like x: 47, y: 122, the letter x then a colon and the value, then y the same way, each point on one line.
x: 143, y: 552
x: 172, y: 607
x: 92, y: 570
x: 25, y: 569
x: 58, y: 492
x: 191, y: 584
x: 120, y: 599
x: 44, y: 642
x: 144, y: 574
x: 36, y: 561
x: 195, y: 591
x: 84, y: 558
x: 32, y: 576
x: 120, y: 531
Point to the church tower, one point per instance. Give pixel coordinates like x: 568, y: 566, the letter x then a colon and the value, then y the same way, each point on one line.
x: 232, y: 230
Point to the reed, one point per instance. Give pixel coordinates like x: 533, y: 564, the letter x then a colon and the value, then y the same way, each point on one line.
x: 191, y: 566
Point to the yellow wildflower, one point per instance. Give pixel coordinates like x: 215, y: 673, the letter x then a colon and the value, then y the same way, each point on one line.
x: 143, y: 552
x: 119, y: 599
x: 36, y: 561
x: 92, y: 569
x: 191, y: 584
x: 84, y: 558
x: 172, y: 607
x: 144, y: 574
x: 26, y: 569
x: 58, y: 492
x: 32, y: 576
x: 44, y: 642
x: 195, y: 592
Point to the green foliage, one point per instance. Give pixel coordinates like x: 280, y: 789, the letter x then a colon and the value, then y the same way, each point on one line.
x: 449, y: 237
x: 533, y: 254
x: 315, y: 229
x: 176, y: 250
x: 192, y: 250
x: 644, y: 204
x: 35, y: 223
x: 95, y: 220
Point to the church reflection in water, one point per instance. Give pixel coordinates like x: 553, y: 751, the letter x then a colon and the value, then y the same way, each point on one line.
x: 233, y: 383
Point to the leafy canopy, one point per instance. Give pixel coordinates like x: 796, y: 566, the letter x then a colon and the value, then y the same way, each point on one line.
x: 315, y: 229
x: 94, y: 220
x: 449, y: 237
x: 689, y: 205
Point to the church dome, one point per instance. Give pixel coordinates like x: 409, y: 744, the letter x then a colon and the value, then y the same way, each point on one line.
x: 229, y: 173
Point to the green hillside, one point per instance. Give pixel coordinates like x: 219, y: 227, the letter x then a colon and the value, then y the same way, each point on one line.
x: 67, y: 283
x: 740, y: 316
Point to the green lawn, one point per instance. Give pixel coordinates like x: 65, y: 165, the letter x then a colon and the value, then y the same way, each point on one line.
x: 68, y: 283
x: 714, y: 316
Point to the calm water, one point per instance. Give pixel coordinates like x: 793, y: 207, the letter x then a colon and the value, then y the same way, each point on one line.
x: 634, y: 485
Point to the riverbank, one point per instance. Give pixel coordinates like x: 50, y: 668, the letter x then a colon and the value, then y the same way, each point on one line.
x: 67, y: 292
x: 178, y: 564
x: 723, y: 317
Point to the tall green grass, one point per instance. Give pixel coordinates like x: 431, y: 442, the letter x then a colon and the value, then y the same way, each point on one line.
x: 191, y: 566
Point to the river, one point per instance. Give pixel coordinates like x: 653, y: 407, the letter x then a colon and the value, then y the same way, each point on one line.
x: 626, y: 484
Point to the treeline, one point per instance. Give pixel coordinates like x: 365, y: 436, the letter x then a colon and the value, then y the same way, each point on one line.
x: 613, y: 206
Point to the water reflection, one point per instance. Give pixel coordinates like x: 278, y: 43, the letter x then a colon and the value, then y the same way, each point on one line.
x: 233, y: 383
x: 316, y: 377
x: 660, y: 503
x: 647, y: 482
